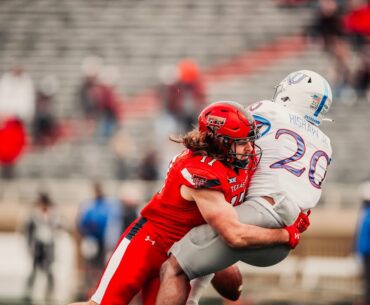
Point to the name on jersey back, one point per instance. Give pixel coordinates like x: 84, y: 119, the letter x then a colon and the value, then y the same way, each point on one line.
x: 301, y: 123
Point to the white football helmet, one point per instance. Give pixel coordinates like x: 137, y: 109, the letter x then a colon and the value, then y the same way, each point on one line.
x: 307, y: 93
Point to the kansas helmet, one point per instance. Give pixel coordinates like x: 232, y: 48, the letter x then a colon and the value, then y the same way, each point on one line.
x: 307, y: 93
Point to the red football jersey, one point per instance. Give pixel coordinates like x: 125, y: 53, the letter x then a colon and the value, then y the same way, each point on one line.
x: 175, y: 216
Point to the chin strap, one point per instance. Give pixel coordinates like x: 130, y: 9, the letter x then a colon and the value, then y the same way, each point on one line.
x: 240, y: 164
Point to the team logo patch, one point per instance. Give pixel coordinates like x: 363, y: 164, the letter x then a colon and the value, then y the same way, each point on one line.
x: 199, y: 181
x: 215, y: 121
x: 232, y: 180
x: 150, y: 240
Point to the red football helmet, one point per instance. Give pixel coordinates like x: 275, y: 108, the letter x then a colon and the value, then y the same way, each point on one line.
x: 230, y: 123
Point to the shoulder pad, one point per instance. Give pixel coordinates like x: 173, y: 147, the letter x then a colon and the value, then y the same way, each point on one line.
x: 199, y: 178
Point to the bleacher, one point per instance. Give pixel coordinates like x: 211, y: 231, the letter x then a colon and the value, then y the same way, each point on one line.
x: 137, y: 36
x: 140, y: 37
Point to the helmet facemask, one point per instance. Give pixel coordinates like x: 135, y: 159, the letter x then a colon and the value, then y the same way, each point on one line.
x: 248, y: 160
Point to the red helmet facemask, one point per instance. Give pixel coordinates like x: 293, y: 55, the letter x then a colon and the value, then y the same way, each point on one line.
x: 230, y: 123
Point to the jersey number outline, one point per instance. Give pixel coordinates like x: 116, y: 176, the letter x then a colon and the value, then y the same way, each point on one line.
x: 301, y: 150
x: 210, y: 163
x: 238, y: 199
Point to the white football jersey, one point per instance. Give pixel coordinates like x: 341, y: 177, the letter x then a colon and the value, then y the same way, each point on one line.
x: 294, y: 161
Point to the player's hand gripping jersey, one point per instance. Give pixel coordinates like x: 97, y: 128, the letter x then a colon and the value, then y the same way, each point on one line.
x: 174, y: 216
x: 296, y: 155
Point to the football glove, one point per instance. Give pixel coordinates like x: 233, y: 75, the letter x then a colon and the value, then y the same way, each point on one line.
x: 299, y: 226
x: 294, y: 235
x: 302, y: 222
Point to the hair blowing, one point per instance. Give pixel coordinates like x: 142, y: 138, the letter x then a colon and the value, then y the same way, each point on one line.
x: 202, y: 143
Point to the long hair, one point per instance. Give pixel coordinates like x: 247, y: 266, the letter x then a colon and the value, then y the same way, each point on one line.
x: 202, y: 143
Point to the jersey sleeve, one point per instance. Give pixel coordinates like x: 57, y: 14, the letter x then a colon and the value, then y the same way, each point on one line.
x: 198, y: 177
x: 261, y: 112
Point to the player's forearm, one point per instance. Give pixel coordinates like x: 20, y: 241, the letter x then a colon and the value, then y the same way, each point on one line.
x: 244, y: 236
x: 239, y: 235
x: 224, y: 219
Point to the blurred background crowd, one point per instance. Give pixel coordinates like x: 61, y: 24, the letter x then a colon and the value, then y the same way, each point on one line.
x: 90, y: 91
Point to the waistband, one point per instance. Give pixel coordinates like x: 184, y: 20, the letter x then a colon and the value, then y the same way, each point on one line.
x: 268, y: 206
x: 284, y: 210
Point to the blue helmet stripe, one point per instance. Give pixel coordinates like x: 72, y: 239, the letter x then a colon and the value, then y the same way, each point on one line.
x: 322, y: 103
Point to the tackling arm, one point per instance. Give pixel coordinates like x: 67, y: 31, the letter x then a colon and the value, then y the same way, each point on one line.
x: 223, y: 218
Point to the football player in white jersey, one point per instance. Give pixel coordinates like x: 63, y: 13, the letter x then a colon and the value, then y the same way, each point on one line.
x: 287, y: 182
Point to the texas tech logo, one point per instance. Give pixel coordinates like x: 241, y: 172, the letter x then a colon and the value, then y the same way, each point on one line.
x: 199, y: 181
x: 215, y: 121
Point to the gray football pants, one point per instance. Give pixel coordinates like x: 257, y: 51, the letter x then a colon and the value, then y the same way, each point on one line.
x: 202, y: 251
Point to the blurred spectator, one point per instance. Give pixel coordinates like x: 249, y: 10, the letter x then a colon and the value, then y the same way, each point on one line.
x: 327, y: 25
x: 361, y: 77
x: 17, y: 109
x: 148, y: 170
x: 98, y: 96
x: 123, y: 213
x: 363, y: 238
x: 327, y: 28
x: 357, y: 24
x: 40, y: 230
x: 91, y: 68
x: 13, y: 142
x: 109, y: 100
x: 17, y: 94
x: 185, y: 97
x: 44, y: 125
x: 341, y: 78
x: 166, y: 122
x: 129, y: 212
x: 92, y: 225
x: 123, y: 146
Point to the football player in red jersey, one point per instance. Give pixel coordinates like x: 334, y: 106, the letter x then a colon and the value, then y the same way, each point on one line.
x: 203, y: 184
